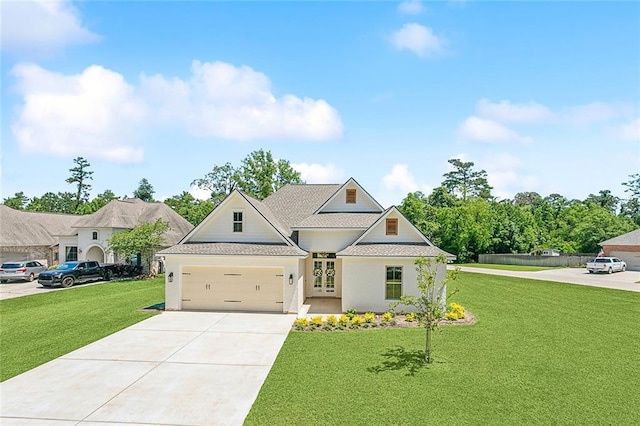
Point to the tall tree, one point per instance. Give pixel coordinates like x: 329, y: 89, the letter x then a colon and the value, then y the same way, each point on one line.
x: 260, y: 176
x: 631, y: 207
x: 189, y: 208
x: 527, y: 199
x: 19, y: 201
x: 465, y: 181
x: 145, y: 191
x: 144, y: 239
x: 220, y: 182
x: 97, y: 203
x: 80, y: 175
x: 604, y: 199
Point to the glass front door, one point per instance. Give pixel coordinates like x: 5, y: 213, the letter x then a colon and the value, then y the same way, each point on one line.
x: 324, y: 277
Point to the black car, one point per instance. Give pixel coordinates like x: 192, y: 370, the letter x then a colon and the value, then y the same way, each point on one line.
x: 69, y: 273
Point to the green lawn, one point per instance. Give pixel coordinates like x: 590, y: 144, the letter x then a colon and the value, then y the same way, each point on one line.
x: 36, y: 329
x: 540, y: 353
x: 508, y: 267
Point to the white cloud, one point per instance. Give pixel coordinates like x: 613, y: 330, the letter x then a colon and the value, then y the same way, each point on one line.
x: 42, y: 26
x: 505, y: 175
x: 594, y: 112
x: 418, y: 39
x: 483, y: 130
x: 199, y: 194
x: 411, y: 7
x: 507, y: 112
x: 221, y: 100
x: 319, y: 173
x: 94, y: 114
x: 631, y: 130
x: 397, y: 184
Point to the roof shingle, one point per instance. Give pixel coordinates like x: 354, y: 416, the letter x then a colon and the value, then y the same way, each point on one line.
x: 393, y: 250
x: 236, y: 249
x: 629, y: 239
x: 338, y: 220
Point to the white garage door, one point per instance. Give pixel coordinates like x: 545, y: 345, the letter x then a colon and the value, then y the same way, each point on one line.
x: 632, y: 259
x: 232, y: 288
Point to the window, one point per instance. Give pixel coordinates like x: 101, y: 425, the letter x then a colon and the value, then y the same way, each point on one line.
x: 351, y: 196
x: 94, y: 235
x: 392, y: 226
x: 394, y: 282
x: 71, y: 254
x: 237, y: 221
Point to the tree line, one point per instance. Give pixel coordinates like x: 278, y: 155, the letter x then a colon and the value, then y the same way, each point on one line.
x: 461, y: 215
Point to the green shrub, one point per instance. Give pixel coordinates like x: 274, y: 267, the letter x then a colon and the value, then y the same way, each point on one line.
x: 369, y: 317
x: 351, y: 312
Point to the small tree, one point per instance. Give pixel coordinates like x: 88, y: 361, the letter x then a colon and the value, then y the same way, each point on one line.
x: 145, y: 191
x: 144, y: 239
x: 430, y: 306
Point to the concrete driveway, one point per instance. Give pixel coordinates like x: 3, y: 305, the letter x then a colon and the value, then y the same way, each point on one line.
x: 619, y: 281
x: 177, y: 368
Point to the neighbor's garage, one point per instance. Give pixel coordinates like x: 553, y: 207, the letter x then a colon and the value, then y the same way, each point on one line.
x: 227, y: 288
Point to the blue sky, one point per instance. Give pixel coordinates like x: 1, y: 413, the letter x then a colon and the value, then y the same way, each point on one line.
x: 544, y: 96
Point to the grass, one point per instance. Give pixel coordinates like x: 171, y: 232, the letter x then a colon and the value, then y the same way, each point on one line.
x: 540, y: 353
x: 38, y: 328
x: 524, y: 268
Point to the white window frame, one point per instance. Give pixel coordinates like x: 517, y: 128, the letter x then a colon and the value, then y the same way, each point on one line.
x: 234, y: 222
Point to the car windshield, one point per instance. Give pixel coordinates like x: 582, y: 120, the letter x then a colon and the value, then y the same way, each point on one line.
x: 11, y: 265
x: 66, y: 266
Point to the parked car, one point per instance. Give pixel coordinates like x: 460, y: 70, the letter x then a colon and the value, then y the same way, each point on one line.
x: 26, y: 271
x: 70, y: 273
x: 606, y: 264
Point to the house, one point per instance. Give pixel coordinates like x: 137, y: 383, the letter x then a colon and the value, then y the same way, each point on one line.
x: 31, y: 235
x: 626, y: 247
x: 88, y: 237
x: 303, y: 241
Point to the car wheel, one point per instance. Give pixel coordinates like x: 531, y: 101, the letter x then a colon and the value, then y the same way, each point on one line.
x: 31, y: 277
x: 624, y: 268
x: 67, y: 282
x: 591, y: 272
x: 3, y: 281
x: 610, y: 271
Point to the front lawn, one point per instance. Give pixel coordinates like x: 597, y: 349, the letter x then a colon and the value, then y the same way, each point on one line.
x: 540, y: 353
x: 36, y: 329
x: 524, y: 268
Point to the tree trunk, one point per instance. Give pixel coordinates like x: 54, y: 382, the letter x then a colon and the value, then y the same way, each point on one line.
x: 427, y: 351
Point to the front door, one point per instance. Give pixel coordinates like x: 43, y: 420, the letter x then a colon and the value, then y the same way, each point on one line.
x: 324, y: 278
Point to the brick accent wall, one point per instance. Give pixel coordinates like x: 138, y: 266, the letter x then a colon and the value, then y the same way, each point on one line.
x: 608, y: 249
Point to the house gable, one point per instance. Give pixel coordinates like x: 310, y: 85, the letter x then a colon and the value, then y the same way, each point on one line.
x: 235, y: 220
x: 382, y: 231
x: 350, y: 197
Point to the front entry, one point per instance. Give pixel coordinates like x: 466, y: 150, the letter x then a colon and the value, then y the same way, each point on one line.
x: 324, y: 277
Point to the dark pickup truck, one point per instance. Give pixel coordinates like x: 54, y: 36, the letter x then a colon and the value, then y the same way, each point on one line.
x: 70, y: 273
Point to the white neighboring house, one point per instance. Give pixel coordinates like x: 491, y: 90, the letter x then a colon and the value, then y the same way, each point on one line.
x: 88, y: 239
x: 303, y: 241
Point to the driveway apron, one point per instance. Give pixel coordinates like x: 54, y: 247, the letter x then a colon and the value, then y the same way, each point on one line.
x: 177, y: 368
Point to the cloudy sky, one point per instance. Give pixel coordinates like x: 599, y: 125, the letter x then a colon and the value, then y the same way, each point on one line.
x: 544, y: 96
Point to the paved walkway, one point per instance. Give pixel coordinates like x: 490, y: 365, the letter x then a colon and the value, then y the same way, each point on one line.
x: 177, y: 368
x: 619, y: 281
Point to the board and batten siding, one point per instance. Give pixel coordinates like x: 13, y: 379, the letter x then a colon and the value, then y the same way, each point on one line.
x: 325, y: 240
x: 292, y: 299
x: 406, y: 232
x: 219, y: 227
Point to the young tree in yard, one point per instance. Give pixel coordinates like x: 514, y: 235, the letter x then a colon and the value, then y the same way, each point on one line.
x: 80, y: 175
x: 19, y: 201
x: 466, y: 181
x: 430, y: 306
x: 145, y: 191
x: 144, y: 239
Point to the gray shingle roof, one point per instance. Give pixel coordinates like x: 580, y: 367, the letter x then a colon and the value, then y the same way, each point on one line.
x: 268, y: 215
x: 236, y: 249
x: 629, y: 239
x: 132, y: 212
x: 338, y: 220
x: 294, y: 202
x: 393, y: 250
x: 21, y: 228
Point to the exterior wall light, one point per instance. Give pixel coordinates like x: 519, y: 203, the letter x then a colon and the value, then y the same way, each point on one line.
x: 290, y: 279
x: 170, y: 277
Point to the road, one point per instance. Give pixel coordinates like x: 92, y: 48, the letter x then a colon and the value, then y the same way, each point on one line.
x: 19, y: 288
x: 620, y: 280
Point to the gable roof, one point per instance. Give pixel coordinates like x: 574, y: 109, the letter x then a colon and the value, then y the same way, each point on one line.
x: 629, y: 239
x: 131, y: 212
x: 335, y: 194
x: 383, y: 216
x: 24, y: 228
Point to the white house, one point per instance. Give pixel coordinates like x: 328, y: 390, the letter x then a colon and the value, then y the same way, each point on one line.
x: 303, y: 241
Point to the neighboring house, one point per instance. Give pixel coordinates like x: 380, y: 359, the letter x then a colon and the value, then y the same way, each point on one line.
x: 302, y: 241
x: 31, y: 235
x: 88, y: 237
x: 626, y: 247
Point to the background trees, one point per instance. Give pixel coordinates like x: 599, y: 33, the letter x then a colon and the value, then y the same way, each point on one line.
x: 80, y: 174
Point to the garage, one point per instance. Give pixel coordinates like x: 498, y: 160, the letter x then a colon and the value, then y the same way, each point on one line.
x: 631, y: 258
x: 227, y: 288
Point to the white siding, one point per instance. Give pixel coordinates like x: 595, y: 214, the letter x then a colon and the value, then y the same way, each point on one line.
x: 406, y: 232
x: 364, y: 282
x: 219, y: 226
x: 364, y: 203
x: 292, y: 299
x: 328, y: 240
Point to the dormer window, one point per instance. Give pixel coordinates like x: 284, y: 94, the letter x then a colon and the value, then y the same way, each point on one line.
x: 238, y: 222
x: 392, y: 226
x: 351, y: 196
x: 94, y: 235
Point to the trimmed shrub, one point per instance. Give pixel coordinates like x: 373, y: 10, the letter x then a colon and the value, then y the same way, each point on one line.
x: 410, y: 317
x: 454, y: 312
x: 351, y: 312
x: 316, y: 321
x: 332, y: 320
x: 369, y: 317
x: 301, y: 323
x: 344, y: 319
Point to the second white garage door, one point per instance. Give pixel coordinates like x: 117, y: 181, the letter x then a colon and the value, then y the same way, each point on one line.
x: 232, y: 288
x: 631, y: 258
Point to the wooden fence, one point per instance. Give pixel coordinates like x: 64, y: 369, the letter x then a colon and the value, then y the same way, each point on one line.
x: 529, y: 260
